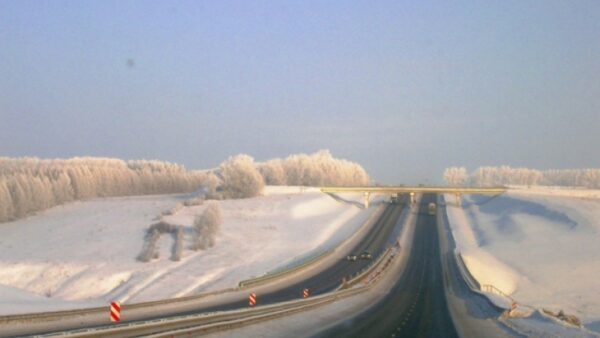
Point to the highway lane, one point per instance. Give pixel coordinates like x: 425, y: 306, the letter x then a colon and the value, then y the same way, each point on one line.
x: 375, y: 242
x: 416, y: 305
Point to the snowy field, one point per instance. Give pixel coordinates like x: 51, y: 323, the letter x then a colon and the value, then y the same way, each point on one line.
x: 84, y: 253
x: 540, y: 245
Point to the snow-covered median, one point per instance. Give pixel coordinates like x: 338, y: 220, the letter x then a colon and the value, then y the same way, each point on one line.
x: 540, y: 246
x: 84, y: 253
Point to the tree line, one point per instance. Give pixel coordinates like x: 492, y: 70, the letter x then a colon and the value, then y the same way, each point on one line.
x: 505, y: 175
x: 31, y: 184
x: 28, y: 185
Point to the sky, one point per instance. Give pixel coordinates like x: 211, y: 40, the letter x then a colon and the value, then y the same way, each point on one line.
x: 406, y: 88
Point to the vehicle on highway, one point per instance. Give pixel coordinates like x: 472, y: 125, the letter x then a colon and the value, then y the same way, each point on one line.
x: 366, y: 255
x: 351, y: 258
x: 432, y: 208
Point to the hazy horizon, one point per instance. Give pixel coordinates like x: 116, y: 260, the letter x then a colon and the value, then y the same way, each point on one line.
x: 406, y: 89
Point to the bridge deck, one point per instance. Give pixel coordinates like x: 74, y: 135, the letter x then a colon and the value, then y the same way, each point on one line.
x: 403, y: 189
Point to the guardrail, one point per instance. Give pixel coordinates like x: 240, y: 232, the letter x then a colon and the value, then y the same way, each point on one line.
x: 492, y: 289
x: 464, y: 271
x: 212, y: 321
x: 278, y: 274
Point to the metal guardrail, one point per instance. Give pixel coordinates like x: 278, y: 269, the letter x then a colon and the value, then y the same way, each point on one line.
x: 216, y: 320
x: 492, y: 289
x: 277, y: 274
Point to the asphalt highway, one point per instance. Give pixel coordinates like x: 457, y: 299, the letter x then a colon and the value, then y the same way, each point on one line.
x: 375, y: 242
x: 416, y: 305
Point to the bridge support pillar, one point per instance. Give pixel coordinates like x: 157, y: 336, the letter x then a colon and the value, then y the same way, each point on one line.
x: 457, y: 196
x: 413, y: 199
x: 367, y: 199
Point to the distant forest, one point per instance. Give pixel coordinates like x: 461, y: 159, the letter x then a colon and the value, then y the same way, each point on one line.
x: 505, y: 175
x: 28, y: 185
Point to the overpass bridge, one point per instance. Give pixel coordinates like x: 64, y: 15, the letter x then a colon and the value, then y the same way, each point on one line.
x: 398, y: 190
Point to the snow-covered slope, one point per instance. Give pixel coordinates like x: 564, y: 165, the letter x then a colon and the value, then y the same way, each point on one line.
x: 540, y: 246
x: 84, y: 253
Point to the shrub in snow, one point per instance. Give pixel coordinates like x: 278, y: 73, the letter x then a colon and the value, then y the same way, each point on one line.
x: 240, y: 178
x: 206, y: 227
x: 193, y: 201
x: 173, y: 211
x: 178, y: 245
x: 150, y: 251
x: 163, y: 227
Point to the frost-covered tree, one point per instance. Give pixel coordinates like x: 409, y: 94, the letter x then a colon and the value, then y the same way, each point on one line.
x: 505, y: 175
x: 455, y: 176
x: 320, y: 168
x: 240, y: 178
x: 273, y: 172
x: 34, y: 184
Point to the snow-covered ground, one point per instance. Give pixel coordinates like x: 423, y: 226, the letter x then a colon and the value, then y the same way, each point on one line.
x: 539, y: 245
x: 84, y: 253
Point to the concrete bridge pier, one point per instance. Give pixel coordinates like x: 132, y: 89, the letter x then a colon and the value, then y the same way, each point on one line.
x: 457, y: 196
x: 367, y: 194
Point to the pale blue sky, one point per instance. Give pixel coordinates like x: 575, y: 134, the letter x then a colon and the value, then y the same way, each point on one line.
x: 406, y: 88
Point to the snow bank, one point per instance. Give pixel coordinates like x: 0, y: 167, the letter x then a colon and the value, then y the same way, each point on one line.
x: 84, y: 253
x: 540, y: 246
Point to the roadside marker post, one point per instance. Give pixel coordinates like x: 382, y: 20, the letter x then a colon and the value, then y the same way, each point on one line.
x: 305, y: 293
x: 115, y: 312
x: 252, y: 299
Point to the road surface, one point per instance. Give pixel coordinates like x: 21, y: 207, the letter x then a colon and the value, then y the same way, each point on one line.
x: 416, y: 305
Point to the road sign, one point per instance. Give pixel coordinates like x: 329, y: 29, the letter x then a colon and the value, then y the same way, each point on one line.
x: 115, y: 312
x: 305, y: 293
x: 252, y: 299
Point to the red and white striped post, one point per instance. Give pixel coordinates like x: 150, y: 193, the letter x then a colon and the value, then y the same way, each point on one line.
x: 115, y: 312
x: 252, y: 299
x: 305, y: 293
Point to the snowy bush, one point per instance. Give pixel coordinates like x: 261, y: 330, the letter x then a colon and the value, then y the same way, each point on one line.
x: 31, y: 184
x: 240, y: 178
x: 173, y: 211
x: 206, y: 227
x: 150, y: 251
x: 193, y: 201
x: 178, y: 245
